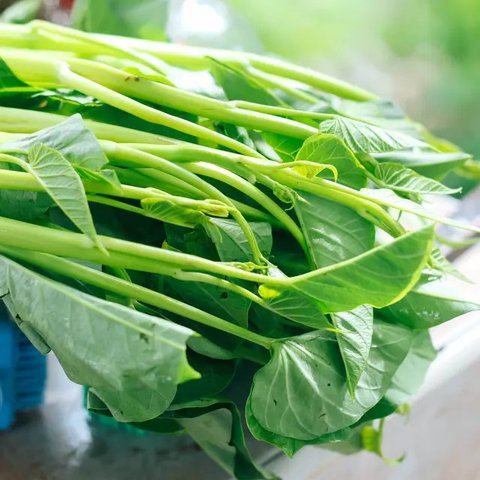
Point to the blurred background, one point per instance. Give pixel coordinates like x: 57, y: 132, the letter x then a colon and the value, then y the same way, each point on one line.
x: 424, y: 55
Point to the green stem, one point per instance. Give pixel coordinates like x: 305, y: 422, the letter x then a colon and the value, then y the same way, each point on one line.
x: 212, y: 207
x: 282, y: 111
x: 149, y: 177
x: 190, y: 102
x: 221, y: 283
x: 141, y: 159
x: 68, y: 78
x: 137, y: 292
x: 47, y: 73
x: 194, y: 153
x: 12, y: 180
x: 187, y: 153
x: 18, y: 120
x: 121, y: 253
x: 196, y: 58
x: 310, y: 77
x: 344, y: 195
x: 92, y: 43
x: 256, y: 215
x: 273, y: 81
x: 229, y: 178
x: 117, y: 204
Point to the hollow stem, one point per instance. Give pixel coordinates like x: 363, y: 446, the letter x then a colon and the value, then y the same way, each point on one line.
x: 68, y: 78
x: 137, y: 158
x: 133, y: 291
x: 236, y: 181
x: 121, y: 253
x: 173, y: 97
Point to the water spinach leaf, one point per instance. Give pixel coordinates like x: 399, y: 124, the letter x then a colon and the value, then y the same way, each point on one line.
x: 302, y: 392
x: 130, y: 360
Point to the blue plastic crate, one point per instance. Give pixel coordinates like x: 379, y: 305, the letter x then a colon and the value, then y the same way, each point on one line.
x: 22, y: 372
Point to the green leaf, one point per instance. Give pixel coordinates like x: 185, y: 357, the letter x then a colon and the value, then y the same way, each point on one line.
x: 329, y: 149
x: 231, y: 243
x: 217, y: 301
x: 131, y: 361
x: 302, y: 310
x: 213, y: 299
x: 211, y: 349
x: 410, y: 375
x: 239, y: 85
x: 430, y: 164
x: 302, y: 392
x: 434, y: 301
x: 170, y: 212
x: 442, y: 264
x: 9, y: 83
x: 105, y: 178
x: 217, y: 429
x: 333, y: 232
x: 365, y: 138
x: 63, y: 184
x: 298, y: 309
x: 405, y: 382
x: 64, y: 96
x: 405, y: 180
x: 407, y: 379
x: 380, y: 112
x: 22, y: 205
x: 287, y: 148
x: 378, y: 277
x: 161, y: 424
x: 354, y: 340
x: 216, y: 375
x: 288, y: 445
x: 241, y: 134
x: 72, y: 139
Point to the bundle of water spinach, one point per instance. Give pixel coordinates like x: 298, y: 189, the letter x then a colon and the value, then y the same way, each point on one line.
x: 205, y: 235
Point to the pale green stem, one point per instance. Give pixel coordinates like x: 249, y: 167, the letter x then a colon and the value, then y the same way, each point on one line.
x: 310, y: 77
x: 190, y: 102
x: 18, y: 120
x: 344, y: 195
x: 121, y: 253
x: 141, y: 159
x: 229, y: 178
x: 282, y: 111
x: 62, y: 33
x: 133, y: 291
x: 277, y: 82
x: 197, y: 58
x: 148, y: 177
x: 68, y: 78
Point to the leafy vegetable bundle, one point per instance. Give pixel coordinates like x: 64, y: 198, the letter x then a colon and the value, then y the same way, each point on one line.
x: 197, y: 231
